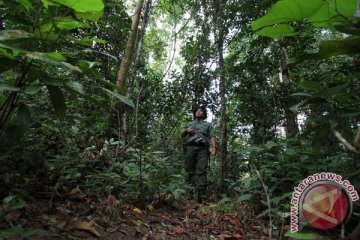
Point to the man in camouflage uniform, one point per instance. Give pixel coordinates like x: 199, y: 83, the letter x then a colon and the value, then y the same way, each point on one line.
x: 199, y: 137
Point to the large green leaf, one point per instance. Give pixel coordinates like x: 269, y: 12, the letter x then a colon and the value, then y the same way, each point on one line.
x: 350, y: 45
x: 123, y: 99
x: 23, y: 115
x: 47, y: 3
x: 329, y: 92
x: 318, y: 12
x: 243, y: 198
x: 83, y: 5
x: 7, y: 87
x: 93, y: 16
x: 75, y: 86
x: 69, y: 23
x: 303, y: 235
x: 32, y: 89
x: 277, y: 31
x: 26, y: 4
x: 288, y: 11
x: 58, y: 101
x: 86, y: 65
x: 310, y: 85
x: 333, y: 11
x: 53, y: 59
x: 12, y: 34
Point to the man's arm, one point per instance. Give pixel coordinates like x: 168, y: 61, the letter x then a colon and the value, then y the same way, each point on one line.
x: 213, y: 146
x: 187, y: 131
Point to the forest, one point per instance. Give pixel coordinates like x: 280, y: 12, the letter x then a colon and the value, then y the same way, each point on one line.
x: 96, y: 97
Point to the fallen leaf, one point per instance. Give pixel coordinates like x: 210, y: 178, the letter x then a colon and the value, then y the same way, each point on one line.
x: 178, y: 230
x: 234, y: 222
x: 86, y: 226
x: 111, y: 230
x: 150, y: 207
x: 229, y: 237
x: 137, y: 210
x: 111, y: 200
x: 76, y: 192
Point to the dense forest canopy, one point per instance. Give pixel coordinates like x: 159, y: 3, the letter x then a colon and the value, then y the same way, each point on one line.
x: 94, y: 95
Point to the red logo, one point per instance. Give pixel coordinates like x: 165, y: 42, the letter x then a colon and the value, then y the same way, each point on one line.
x: 325, y: 206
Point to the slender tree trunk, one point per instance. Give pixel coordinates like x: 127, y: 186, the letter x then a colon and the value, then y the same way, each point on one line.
x: 125, y: 63
x: 145, y: 21
x: 223, y: 125
x: 124, y: 69
x: 291, y: 125
x: 222, y: 89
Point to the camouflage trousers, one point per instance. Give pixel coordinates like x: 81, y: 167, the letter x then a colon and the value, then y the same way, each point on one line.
x: 196, y: 164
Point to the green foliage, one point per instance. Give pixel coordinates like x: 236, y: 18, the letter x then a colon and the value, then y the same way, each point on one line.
x: 48, y: 52
x: 17, y: 232
x: 319, y: 13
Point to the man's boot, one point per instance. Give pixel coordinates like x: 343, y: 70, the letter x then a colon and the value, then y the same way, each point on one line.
x: 201, y: 194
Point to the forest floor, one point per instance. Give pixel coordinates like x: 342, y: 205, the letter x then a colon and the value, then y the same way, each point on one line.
x: 83, y: 218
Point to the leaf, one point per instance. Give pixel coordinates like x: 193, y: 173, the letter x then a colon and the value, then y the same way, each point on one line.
x: 288, y: 11
x: 88, y: 41
x: 350, y: 115
x: 32, y: 89
x: 82, y: 5
x: 47, y: 3
x: 56, y: 55
x: 92, y: 16
x: 23, y: 115
x: 26, y: 4
x: 326, y: 93
x: 76, y: 86
x: 16, y: 232
x: 333, y: 11
x: 13, y: 34
x: 270, y: 144
x: 68, y: 23
x: 350, y: 45
x: 277, y: 31
x: 86, y: 226
x: 7, y: 87
x: 150, y: 208
x: 57, y: 100
x: 243, y: 198
x: 303, y: 235
x: 88, y: 50
x: 301, y: 95
x: 318, y: 12
x: 111, y: 200
x: 295, y: 107
x: 8, y: 199
x: 137, y: 210
x: 51, y: 58
x: 123, y: 99
x: 86, y: 65
x: 311, y: 85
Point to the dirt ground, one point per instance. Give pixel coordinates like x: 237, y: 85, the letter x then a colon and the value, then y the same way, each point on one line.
x: 83, y: 218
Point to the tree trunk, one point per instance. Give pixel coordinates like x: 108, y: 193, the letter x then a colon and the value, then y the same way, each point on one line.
x: 125, y: 63
x: 145, y: 21
x: 222, y: 89
x: 120, y: 109
x: 291, y: 125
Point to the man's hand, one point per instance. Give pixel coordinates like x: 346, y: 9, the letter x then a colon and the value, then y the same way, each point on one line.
x: 212, y: 151
x: 187, y: 131
x: 190, y: 130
